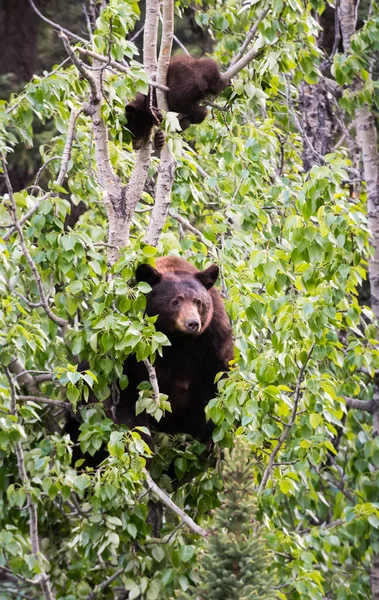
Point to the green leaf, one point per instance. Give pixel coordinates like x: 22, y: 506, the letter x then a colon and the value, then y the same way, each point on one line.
x: 315, y: 420
x: 186, y: 553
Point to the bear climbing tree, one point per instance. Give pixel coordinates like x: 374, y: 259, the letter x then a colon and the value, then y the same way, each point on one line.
x: 192, y: 315
x: 291, y: 248
x: 189, y: 81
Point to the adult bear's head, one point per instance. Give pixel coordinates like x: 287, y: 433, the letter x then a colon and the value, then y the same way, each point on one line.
x: 180, y: 295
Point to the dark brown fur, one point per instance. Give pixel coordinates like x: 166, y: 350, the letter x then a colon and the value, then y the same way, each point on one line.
x: 190, y: 81
x: 188, y: 367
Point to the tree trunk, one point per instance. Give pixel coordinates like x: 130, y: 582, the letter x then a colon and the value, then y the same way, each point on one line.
x: 318, y: 123
x: 367, y: 140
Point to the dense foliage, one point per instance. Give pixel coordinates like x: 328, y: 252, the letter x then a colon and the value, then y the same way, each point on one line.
x: 293, y: 248
x: 235, y: 563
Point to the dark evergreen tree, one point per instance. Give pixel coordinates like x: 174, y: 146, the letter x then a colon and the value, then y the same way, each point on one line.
x: 235, y: 563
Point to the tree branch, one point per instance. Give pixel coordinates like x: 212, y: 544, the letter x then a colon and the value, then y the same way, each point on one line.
x: 366, y: 405
x: 167, y: 164
x: 168, y: 502
x: 249, y: 37
x: 43, y: 579
x: 150, y: 37
x: 82, y: 69
x: 102, y: 586
x: 238, y: 66
x: 62, y: 172
x: 68, y: 146
x: 27, y: 215
x: 56, y: 26
x: 165, y: 50
x: 15, y: 579
x: 17, y: 368
x: 43, y: 400
x: 153, y: 380
x: 187, y: 225
x: 13, y: 209
x: 287, y: 428
x: 113, y: 192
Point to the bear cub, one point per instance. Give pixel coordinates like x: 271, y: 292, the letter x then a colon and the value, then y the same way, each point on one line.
x: 190, y: 81
x: 192, y: 315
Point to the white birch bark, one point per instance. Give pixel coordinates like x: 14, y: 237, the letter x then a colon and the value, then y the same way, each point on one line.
x: 367, y: 140
x: 167, y: 164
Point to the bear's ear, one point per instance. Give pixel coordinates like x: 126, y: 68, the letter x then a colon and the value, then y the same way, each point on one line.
x: 148, y: 274
x: 208, y: 277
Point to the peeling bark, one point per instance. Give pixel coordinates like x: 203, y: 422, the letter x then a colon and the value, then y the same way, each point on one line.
x: 163, y: 196
x: 367, y: 140
x: 167, y: 165
x: 347, y: 21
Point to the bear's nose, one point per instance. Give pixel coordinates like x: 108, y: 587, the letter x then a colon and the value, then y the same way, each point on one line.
x: 193, y: 325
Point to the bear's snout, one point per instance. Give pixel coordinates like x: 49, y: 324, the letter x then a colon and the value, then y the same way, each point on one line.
x: 188, y: 320
x: 193, y: 325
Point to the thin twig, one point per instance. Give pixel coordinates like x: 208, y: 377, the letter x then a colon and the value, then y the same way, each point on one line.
x: 56, y: 26
x: 43, y: 578
x: 218, y: 106
x: 241, y: 64
x: 249, y: 37
x: 178, y: 511
x: 101, y: 587
x: 65, y: 158
x: 16, y: 579
x: 292, y: 112
x: 43, y: 400
x: 81, y: 68
x: 13, y: 208
x: 287, y: 428
x: 153, y: 379
x: 138, y: 33
x: 337, y: 32
x: 28, y: 302
x: 21, y: 98
x: 187, y: 225
x: 68, y: 146
x: 43, y: 167
x: 27, y: 215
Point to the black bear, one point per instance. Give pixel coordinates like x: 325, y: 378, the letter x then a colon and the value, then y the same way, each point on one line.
x: 190, y: 80
x: 192, y: 315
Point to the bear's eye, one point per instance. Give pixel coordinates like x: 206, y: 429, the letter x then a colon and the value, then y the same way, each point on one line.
x: 175, y: 302
x: 198, y: 303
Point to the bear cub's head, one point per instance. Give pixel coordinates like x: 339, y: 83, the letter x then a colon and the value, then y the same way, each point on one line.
x: 181, y: 300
